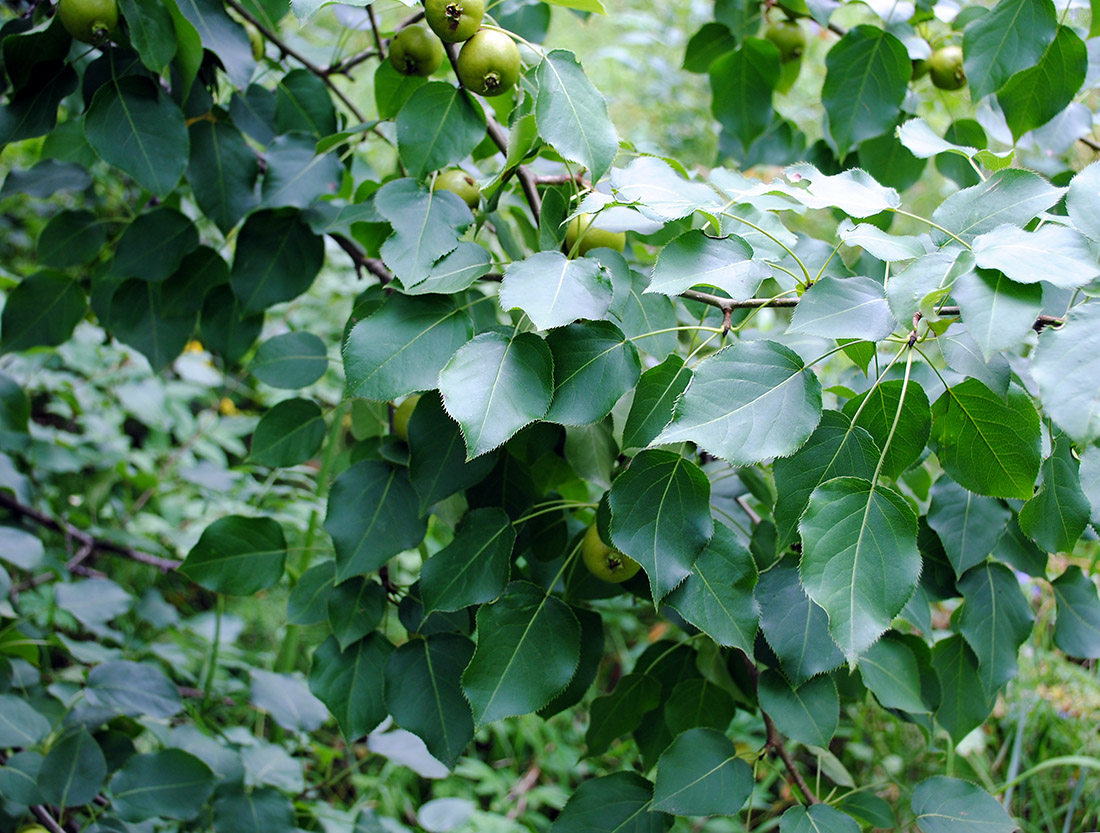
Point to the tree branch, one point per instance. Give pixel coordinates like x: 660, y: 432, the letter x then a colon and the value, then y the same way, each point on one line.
x: 372, y: 264
x: 87, y: 541
x: 298, y: 56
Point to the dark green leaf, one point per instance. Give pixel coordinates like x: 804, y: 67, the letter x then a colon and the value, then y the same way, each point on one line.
x: 698, y: 702
x: 225, y: 328
x: 426, y: 226
x: 455, y: 271
x: 355, y: 607
x: 392, y: 89
x: 70, y: 238
x: 859, y: 558
x: 302, y: 102
x: 276, y: 259
x: 308, y: 602
x: 948, y: 805
x: 296, y: 174
x: 260, y: 811
x: 223, y: 36
x: 654, y: 400
x: 660, y: 516
x: 288, y: 434
x: 527, y: 651
x: 594, y: 365
x: 154, y: 245
x: 616, y: 803
x: 968, y: 525
x: 890, y: 670
x: 139, y: 318
x: 495, y: 385
x: 372, y: 516
x: 995, y: 620
x: 290, y: 360
x: 808, y: 714
x: 1011, y: 38
x: 238, y: 555
x: 1077, y: 629
x: 437, y: 455
x: 964, y: 703
x: 620, y: 712
x: 350, y: 683
x: 877, y: 418
x: 32, y: 111
x: 795, y: 626
x: 474, y: 567
x: 438, y: 126
x: 817, y: 818
x: 222, y: 172
x: 19, y: 777
x: 987, y: 444
x: 592, y: 653
x: 168, y: 784
x: 424, y: 693
x: 1058, y: 514
x: 182, y: 295
x: 743, y: 82
x: 41, y: 311
x: 748, y: 402
x: 701, y: 775
x: 73, y: 771
x: 151, y: 32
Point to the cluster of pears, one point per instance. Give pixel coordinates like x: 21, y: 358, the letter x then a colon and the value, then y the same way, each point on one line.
x: 489, y: 62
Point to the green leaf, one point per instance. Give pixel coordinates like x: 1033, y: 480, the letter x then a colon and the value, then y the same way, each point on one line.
x: 454, y: 271
x: 303, y: 102
x: 963, y: 355
x: 867, y: 76
x: 571, y: 114
x: 808, y: 714
x: 20, y: 724
x: 138, y: 317
x: 1011, y: 38
x: 844, y: 308
x: 694, y: 258
x: 41, y: 311
x: 594, y: 365
x: 372, y: 515
x: 701, y: 775
x: 1066, y: 365
x: 1055, y: 254
x: 474, y: 567
x: 426, y: 226
x: 392, y: 89
x: 438, y: 126
x: 403, y: 347
x: 223, y: 36
x: 659, y: 191
x: 817, y: 818
x: 93, y: 602
x: 592, y: 653
x: 594, y: 6
x: 748, y: 402
x: 201, y: 272
x: 654, y: 400
x: 136, y: 689
x: 1080, y: 202
x: 154, y: 245
x: 877, y: 418
x: 70, y: 238
x: 259, y: 811
x: 151, y: 32
x: 527, y: 651
x: 225, y: 328
x: 437, y: 455
x: 495, y: 385
x: 998, y: 312
x: 620, y: 712
x: 743, y: 81
x: 73, y: 771
x: 168, y: 784
x: 1077, y: 629
x: 592, y: 452
x: 1011, y: 196
x: 238, y: 556
x: 276, y: 259
x: 995, y: 620
x: 948, y: 805
x: 987, y: 444
x: 554, y: 290
x: 642, y: 315
x: 288, y: 434
x: 795, y: 626
x: 888, y: 247
x: 424, y: 693
x: 297, y: 175
x: 890, y: 670
x: 134, y: 126
x: 964, y: 703
x: 660, y: 516
x: 694, y: 703
x: 290, y: 360
x: 926, y: 279
x: 32, y: 111
x: 617, y: 803
x: 350, y: 682
x: 717, y: 595
x: 1058, y: 514
x: 836, y: 448
x: 355, y: 607
x: 968, y: 525
x: 859, y: 559
x: 287, y: 698
x: 19, y: 777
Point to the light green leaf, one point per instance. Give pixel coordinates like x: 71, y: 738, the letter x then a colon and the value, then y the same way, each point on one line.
x: 989, y: 445
x: 659, y: 191
x: 888, y: 247
x: 948, y: 805
x: 495, y: 385
x: 136, y: 689
x: 694, y: 259
x: 855, y: 192
x: 998, y: 312
x: 1077, y: 629
x: 286, y: 697
x: 237, y: 555
x: 454, y: 271
x: 1081, y: 202
x: 748, y: 402
x: 151, y: 32
x: 1066, y: 366
x: 594, y: 6
x: 296, y: 174
x: 844, y: 308
x: 474, y: 567
x: 808, y: 714
x: 223, y: 36
x: 1052, y: 253
x: 1011, y: 196
x: 438, y: 126
x: 20, y: 724
x: 426, y: 226
x: 859, y: 559
x: 554, y: 290
x: 660, y: 516
x: 701, y: 775
x: 527, y: 651
x: 571, y: 114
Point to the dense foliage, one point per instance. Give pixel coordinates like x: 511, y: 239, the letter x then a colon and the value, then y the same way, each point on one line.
x: 853, y: 461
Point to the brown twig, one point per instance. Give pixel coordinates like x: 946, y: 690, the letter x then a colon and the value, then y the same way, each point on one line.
x: 286, y: 49
x: 372, y: 264
x: 377, y: 35
x: 41, y: 813
x: 85, y: 539
x: 342, y: 67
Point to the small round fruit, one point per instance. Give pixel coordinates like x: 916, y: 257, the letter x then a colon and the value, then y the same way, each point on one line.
x: 788, y: 38
x: 489, y: 63
x: 416, y: 51
x: 605, y: 562
x: 946, y: 68
x: 401, y: 416
x: 91, y: 21
x: 459, y: 182
x: 591, y: 237
x: 454, y: 20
